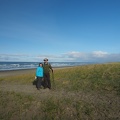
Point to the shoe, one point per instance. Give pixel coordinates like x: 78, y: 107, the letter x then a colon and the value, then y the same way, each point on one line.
x: 49, y: 88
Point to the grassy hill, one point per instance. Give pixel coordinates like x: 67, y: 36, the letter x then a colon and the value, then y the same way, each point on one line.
x: 90, y: 92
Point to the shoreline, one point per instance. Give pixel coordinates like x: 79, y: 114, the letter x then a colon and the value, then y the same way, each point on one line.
x: 5, y: 73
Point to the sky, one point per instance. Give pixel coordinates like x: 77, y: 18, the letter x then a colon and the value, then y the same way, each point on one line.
x: 61, y: 30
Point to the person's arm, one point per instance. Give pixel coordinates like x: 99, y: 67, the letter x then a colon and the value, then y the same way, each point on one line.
x: 36, y: 71
x: 50, y: 67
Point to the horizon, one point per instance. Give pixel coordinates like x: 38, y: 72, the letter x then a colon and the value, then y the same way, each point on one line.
x: 48, y: 62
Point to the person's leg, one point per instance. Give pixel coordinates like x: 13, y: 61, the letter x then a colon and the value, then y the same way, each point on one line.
x: 42, y: 82
x: 45, y: 81
x: 38, y: 82
x: 48, y: 80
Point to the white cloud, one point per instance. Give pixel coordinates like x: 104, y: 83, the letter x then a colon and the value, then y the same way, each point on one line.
x: 100, y: 56
x: 73, y: 56
x: 99, y: 53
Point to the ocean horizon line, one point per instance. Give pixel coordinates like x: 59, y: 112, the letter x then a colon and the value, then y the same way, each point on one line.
x: 32, y: 65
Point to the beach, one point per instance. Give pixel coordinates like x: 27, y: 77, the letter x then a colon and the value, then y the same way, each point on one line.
x: 24, y: 71
x: 16, y: 72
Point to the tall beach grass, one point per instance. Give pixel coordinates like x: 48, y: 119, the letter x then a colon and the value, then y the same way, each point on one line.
x: 90, y: 92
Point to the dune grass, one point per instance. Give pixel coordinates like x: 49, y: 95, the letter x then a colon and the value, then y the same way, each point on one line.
x: 90, y: 92
x: 89, y: 77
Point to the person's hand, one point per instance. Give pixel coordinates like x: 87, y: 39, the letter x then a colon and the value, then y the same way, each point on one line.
x: 35, y: 77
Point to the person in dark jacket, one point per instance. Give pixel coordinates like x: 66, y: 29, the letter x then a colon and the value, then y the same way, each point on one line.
x: 47, y: 67
x: 39, y: 75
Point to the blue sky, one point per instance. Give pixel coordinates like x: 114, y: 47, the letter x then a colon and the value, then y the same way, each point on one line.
x: 61, y: 30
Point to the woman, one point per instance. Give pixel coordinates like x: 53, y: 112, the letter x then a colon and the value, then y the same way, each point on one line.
x: 39, y: 75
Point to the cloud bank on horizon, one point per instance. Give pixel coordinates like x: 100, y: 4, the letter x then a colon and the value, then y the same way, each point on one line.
x: 95, y: 56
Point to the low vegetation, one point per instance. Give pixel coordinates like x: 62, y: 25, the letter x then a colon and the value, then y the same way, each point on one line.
x: 90, y: 92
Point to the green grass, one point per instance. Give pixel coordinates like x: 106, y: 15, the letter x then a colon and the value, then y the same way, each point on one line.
x: 90, y: 92
x: 90, y: 77
x: 12, y: 105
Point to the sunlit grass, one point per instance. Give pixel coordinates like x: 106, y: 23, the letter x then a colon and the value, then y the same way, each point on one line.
x: 90, y: 77
x: 24, y: 78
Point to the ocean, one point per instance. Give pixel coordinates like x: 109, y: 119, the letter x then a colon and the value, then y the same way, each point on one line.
x: 30, y: 65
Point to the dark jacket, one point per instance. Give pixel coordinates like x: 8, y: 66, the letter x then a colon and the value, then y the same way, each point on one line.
x: 47, y: 67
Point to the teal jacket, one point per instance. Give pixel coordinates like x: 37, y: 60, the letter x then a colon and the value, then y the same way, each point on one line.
x: 39, y: 72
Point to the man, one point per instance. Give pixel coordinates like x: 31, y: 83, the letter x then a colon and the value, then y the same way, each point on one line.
x: 47, y: 67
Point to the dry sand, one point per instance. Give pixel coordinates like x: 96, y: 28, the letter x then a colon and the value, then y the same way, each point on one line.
x: 16, y: 72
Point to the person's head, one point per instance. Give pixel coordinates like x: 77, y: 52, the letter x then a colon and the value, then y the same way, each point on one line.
x: 45, y: 60
x: 40, y: 64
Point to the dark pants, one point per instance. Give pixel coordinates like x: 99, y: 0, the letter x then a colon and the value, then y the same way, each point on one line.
x: 39, y: 82
x: 47, y: 83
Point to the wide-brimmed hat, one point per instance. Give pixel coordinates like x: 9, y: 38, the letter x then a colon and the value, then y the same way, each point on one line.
x: 45, y: 59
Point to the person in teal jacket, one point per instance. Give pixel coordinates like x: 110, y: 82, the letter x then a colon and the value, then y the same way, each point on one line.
x: 39, y: 75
